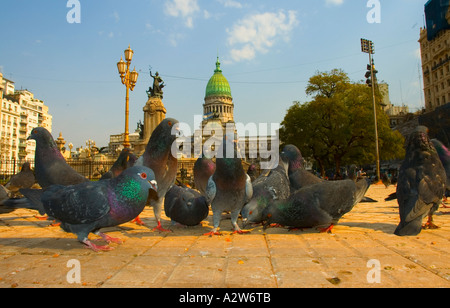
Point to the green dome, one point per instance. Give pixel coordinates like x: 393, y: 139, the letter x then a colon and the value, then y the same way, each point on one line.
x: 218, y: 85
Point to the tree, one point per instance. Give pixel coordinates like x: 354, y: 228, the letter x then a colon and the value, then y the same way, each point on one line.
x: 337, y: 128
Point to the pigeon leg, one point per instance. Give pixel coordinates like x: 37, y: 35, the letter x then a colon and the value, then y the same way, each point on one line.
x: 216, y: 221
x: 234, y: 217
x: 138, y: 221
x: 96, y: 248
x: 160, y: 228
x: 109, y: 239
x: 326, y: 230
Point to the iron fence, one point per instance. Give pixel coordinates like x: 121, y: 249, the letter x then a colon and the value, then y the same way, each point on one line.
x: 89, y: 168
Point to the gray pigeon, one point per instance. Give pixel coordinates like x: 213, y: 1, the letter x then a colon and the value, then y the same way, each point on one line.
x: 229, y: 188
x: 89, y: 206
x: 185, y: 206
x: 23, y: 179
x: 298, y: 176
x: 421, y: 184
x: 158, y: 157
x: 50, y: 167
x: 320, y: 205
x: 125, y: 160
x: 203, y: 169
x: 267, y: 188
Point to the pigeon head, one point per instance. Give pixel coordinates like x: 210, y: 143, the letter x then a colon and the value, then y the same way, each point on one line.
x: 26, y: 166
x: 164, y: 136
x: 294, y: 156
x: 43, y: 137
x: 135, y: 184
x: 419, y: 140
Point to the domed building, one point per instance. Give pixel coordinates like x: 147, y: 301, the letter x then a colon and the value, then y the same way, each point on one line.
x: 218, y: 106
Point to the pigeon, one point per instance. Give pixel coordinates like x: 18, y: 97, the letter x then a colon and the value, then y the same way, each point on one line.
x: 89, y: 206
x: 24, y: 179
x: 203, y: 169
x: 274, y: 186
x: 444, y: 156
x: 298, y: 176
x: 185, y: 206
x: 125, y: 160
x: 230, y: 187
x: 421, y: 184
x: 50, y: 167
x: 320, y: 205
x: 158, y: 157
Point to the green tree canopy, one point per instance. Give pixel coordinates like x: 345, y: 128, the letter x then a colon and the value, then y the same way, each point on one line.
x: 337, y: 128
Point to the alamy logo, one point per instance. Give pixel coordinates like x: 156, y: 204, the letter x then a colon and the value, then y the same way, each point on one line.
x: 374, y: 14
x: 74, y: 14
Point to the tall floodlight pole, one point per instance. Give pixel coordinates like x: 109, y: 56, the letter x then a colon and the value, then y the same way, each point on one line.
x: 368, y: 47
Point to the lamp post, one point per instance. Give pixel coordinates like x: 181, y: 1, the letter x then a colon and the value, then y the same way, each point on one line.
x: 129, y: 80
x: 368, y: 47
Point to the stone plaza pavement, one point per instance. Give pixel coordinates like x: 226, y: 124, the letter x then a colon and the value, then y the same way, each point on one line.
x: 360, y: 252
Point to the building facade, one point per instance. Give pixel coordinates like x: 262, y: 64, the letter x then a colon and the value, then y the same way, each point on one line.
x: 20, y: 113
x: 435, y: 52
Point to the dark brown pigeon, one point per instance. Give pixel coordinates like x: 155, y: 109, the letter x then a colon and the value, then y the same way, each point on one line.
x: 421, y: 184
x: 24, y: 179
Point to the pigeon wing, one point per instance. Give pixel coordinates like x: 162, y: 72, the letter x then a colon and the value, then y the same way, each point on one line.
x: 210, y: 190
x: 77, y: 204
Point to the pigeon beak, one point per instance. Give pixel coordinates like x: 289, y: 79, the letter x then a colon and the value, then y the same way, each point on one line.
x: 154, y: 185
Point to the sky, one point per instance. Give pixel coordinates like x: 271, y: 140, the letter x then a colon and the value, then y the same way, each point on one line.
x: 268, y: 51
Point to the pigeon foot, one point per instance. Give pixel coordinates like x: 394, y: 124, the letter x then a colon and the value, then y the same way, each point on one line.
x: 240, y: 231
x: 97, y: 248
x: 138, y: 221
x: 212, y: 233
x: 55, y: 224
x: 110, y: 239
x: 45, y: 217
x: 160, y: 228
x: 429, y: 225
x: 326, y: 230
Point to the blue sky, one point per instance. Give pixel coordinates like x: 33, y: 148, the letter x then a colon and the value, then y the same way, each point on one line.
x: 268, y: 50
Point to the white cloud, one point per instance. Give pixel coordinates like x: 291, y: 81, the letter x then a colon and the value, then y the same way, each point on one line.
x: 185, y: 9
x: 231, y: 4
x: 334, y: 2
x: 258, y: 33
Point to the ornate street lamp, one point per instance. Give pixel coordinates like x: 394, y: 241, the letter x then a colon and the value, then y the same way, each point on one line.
x: 129, y: 80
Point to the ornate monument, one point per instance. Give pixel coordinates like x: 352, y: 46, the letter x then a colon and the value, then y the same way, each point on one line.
x: 154, y: 112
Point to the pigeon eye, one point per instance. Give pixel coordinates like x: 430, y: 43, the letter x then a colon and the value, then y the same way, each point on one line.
x: 143, y: 175
x: 251, y: 212
x: 170, y: 123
